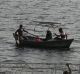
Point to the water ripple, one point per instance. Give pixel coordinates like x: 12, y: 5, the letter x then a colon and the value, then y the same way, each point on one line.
x: 15, y: 12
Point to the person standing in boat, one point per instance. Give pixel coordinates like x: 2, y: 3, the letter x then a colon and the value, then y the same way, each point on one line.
x: 48, y: 35
x: 19, y: 32
x: 62, y: 35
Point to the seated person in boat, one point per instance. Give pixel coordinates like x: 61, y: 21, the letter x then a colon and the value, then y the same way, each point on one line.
x: 62, y: 35
x: 19, y: 33
x: 48, y: 35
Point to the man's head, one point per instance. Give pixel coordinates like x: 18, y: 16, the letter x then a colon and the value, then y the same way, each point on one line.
x: 20, y: 26
x: 60, y: 30
x: 67, y: 64
x: 48, y: 31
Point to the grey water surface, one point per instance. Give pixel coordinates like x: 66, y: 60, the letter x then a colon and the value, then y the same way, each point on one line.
x: 15, y: 12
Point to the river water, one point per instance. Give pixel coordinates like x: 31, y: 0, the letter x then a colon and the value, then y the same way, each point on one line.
x: 15, y: 12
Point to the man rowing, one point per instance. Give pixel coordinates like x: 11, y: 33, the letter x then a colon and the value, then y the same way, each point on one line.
x: 62, y: 35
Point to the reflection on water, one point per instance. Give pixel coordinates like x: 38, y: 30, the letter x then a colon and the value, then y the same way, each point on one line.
x: 15, y: 12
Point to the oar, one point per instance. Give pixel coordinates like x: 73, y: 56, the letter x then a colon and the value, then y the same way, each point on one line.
x: 31, y: 34
x: 28, y: 32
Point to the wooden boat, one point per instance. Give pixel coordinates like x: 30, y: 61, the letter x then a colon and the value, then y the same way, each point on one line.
x: 32, y: 42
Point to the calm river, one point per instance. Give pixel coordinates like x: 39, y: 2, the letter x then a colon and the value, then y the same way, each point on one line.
x: 15, y: 12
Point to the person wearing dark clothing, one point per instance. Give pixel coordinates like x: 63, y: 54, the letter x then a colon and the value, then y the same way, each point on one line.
x: 69, y: 70
x: 62, y: 35
x: 19, y: 32
x: 48, y: 35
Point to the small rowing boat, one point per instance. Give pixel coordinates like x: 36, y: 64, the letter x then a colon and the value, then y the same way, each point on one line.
x: 52, y: 43
x: 31, y: 41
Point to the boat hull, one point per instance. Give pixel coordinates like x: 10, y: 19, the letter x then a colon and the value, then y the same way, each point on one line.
x: 44, y: 44
x: 48, y: 44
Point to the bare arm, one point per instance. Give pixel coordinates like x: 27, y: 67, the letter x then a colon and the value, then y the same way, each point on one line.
x: 25, y: 31
x: 16, y: 31
x: 65, y: 36
x: 57, y: 35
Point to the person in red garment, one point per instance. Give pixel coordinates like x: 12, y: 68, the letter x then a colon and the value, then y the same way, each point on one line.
x: 38, y: 39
